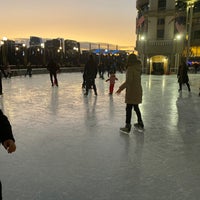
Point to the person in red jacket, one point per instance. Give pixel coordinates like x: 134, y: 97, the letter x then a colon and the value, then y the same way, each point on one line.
x: 112, y: 80
x: 6, y: 138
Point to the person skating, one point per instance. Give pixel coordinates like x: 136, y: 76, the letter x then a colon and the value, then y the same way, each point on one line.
x: 29, y: 70
x: 90, y: 73
x: 183, y: 76
x: 53, y: 68
x: 6, y: 138
x: 112, y: 80
x: 133, y: 96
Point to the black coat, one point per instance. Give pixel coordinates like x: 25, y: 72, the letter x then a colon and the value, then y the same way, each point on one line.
x: 52, y: 66
x: 90, y: 71
x: 5, y: 128
x: 182, y: 74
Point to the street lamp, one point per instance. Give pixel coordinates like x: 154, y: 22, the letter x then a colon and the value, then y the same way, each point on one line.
x: 43, y: 53
x: 190, y: 5
x: 4, y: 50
x: 177, y: 41
x: 189, y: 14
x: 24, y: 54
x: 5, y: 38
x: 1, y: 50
x: 142, y: 50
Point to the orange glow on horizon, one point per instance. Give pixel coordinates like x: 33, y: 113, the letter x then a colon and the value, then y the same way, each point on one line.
x: 110, y: 22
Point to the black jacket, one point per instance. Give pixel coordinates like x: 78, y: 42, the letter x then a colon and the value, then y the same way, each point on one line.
x: 5, y: 128
x: 52, y: 66
x: 90, y: 71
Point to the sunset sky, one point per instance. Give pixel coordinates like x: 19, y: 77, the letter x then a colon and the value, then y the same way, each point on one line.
x: 105, y: 21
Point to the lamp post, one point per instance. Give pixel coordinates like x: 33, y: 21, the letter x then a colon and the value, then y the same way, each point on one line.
x: 177, y: 52
x: 43, y: 54
x: 4, y: 50
x: 99, y: 47
x: 142, y: 42
x: 1, y: 51
x: 189, y: 14
x: 60, y: 49
x: 24, y: 54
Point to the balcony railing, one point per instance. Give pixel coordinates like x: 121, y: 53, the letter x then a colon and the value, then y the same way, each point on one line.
x: 156, y: 46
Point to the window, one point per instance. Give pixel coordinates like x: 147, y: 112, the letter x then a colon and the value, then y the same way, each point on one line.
x: 160, y: 34
x: 180, y: 5
x: 161, y: 4
x: 145, y: 7
x: 197, y: 6
x: 197, y: 34
x: 161, y: 21
x: 196, y: 21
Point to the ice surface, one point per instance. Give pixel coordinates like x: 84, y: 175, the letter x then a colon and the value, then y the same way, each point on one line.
x: 69, y: 146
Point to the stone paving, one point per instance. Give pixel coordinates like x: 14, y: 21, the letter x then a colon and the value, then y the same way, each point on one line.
x: 69, y: 146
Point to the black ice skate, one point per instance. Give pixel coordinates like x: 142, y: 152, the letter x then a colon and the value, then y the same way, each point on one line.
x: 126, y: 129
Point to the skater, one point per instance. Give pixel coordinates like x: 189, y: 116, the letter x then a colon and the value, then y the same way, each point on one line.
x: 101, y: 70
x: 183, y: 76
x: 112, y: 80
x: 3, y: 71
x: 133, y: 95
x: 53, y: 69
x: 6, y: 138
x: 90, y: 73
x: 84, y: 82
x: 8, y: 70
x: 29, y: 70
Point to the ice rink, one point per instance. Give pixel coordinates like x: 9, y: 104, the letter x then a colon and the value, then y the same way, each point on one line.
x: 69, y: 146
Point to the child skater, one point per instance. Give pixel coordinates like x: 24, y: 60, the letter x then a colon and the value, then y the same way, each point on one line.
x: 133, y: 96
x: 112, y: 80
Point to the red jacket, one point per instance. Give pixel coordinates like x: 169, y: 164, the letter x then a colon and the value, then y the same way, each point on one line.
x: 112, y: 79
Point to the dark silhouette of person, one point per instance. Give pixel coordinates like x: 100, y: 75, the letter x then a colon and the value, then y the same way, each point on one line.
x: 90, y: 73
x: 6, y: 138
x: 29, y: 70
x: 1, y: 90
x: 183, y: 75
x: 3, y: 71
x: 53, y: 68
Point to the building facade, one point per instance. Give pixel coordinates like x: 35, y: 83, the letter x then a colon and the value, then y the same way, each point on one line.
x: 167, y: 31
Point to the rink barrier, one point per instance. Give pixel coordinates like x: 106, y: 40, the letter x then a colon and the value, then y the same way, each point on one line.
x: 21, y: 72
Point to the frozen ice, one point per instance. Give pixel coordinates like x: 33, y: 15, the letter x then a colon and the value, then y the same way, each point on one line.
x: 69, y: 146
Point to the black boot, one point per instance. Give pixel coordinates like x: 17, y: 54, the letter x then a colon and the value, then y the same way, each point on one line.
x: 126, y: 129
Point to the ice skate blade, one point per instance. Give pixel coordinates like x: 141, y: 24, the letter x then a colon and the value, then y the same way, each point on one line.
x: 139, y: 130
x: 124, y: 132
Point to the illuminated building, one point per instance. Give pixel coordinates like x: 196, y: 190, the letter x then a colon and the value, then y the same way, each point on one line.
x: 167, y: 30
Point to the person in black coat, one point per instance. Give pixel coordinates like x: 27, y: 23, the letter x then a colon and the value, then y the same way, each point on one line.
x: 183, y: 76
x: 90, y: 73
x: 6, y: 138
x: 53, y: 68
